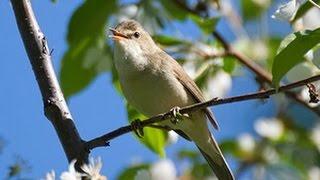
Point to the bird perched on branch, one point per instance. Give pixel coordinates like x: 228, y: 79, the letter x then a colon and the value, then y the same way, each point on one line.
x: 153, y: 82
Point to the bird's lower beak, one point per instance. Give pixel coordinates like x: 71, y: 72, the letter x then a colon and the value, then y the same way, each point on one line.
x: 117, y: 35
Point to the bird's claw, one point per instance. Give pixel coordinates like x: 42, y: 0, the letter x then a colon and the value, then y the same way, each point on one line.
x: 137, y: 128
x: 176, y: 116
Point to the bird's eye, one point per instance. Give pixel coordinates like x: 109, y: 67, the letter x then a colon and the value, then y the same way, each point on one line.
x: 136, y: 34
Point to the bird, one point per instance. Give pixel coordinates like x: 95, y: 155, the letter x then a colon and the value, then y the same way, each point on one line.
x: 153, y: 83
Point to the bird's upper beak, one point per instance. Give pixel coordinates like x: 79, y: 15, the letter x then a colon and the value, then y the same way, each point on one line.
x: 117, y: 35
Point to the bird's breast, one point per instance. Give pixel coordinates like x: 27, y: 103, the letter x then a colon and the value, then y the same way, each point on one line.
x: 153, y: 91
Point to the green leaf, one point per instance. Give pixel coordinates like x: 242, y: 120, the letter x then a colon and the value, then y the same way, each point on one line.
x: 229, y: 64
x: 154, y: 139
x: 131, y: 172
x: 251, y: 10
x: 194, y: 156
x: 168, y: 40
x: 303, y: 9
x: 207, y: 25
x: 174, y: 10
x: 273, y: 43
x: 80, y: 65
x: 201, y: 171
x: 87, y: 55
x: 291, y: 52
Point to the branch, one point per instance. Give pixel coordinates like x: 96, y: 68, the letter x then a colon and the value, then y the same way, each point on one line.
x: 55, y: 107
x: 103, y: 140
x: 258, y: 70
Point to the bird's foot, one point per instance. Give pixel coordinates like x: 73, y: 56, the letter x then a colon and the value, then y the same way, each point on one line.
x: 176, y: 116
x: 137, y: 128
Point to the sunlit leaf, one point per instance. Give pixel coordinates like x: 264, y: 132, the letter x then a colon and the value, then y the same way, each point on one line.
x: 168, y: 40
x: 189, y: 154
x: 229, y: 64
x: 273, y: 43
x: 291, y: 52
x: 251, y: 9
x: 154, y: 139
x: 88, y: 54
x: 174, y: 10
x: 131, y: 172
x: 201, y: 171
x: 207, y: 25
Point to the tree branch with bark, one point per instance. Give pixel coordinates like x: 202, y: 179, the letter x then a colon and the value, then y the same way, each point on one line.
x: 55, y: 106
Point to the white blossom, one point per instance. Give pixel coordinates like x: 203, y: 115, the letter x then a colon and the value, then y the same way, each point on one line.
x: 314, y: 173
x: 190, y: 68
x: 163, y: 169
x: 315, y: 136
x: 172, y: 137
x: 127, y: 12
x: 246, y: 142
x: 301, y: 71
x: 71, y: 174
x: 93, y: 169
x: 219, y: 85
x: 259, y: 50
x: 311, y: 19
x: 286, y: 11
x: 50, y: 175
x: 269, y: 128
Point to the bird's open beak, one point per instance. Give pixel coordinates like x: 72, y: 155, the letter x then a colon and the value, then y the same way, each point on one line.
x: 117, y: 35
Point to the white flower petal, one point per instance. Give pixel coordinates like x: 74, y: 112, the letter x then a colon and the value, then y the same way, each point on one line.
x: 286, y: 11
x: 246, y: 142
x: 93, y: 169
x: 173, y: 137
x: 300, y: 72
x: 314, y: 173
x: 315, y: 136
x: 163, y: 169
x: 219, y: 85
x: 72, y: 174
x: 269, y: 128
x: 50, y: 175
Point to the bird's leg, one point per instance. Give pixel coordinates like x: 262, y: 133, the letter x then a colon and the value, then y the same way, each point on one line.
x: 137, y: 128
x: 176, y: 116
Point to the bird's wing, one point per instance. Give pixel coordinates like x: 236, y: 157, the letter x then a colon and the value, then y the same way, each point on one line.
x: 191, y: 87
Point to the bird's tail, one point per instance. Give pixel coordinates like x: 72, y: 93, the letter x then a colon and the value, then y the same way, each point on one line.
x: 211, y: 152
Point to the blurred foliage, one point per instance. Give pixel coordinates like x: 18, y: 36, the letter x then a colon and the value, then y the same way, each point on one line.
x: 289, y: 156
x: 88, y: 55
x: 129, y: 173
x: 154, y: 139
x: 293, y: 47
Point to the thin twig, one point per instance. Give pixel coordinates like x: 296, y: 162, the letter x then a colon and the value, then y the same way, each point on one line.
x: 258, y: 70
x: 103, y: 140
x: 55, y: 107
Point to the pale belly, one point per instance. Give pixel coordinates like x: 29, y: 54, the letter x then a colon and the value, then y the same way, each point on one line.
x: 154, y: 93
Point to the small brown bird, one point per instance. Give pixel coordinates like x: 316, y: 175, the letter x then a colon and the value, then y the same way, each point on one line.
x: 153, y: 82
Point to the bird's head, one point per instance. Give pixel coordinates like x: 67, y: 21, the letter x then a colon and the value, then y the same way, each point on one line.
x: 129, y: 34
